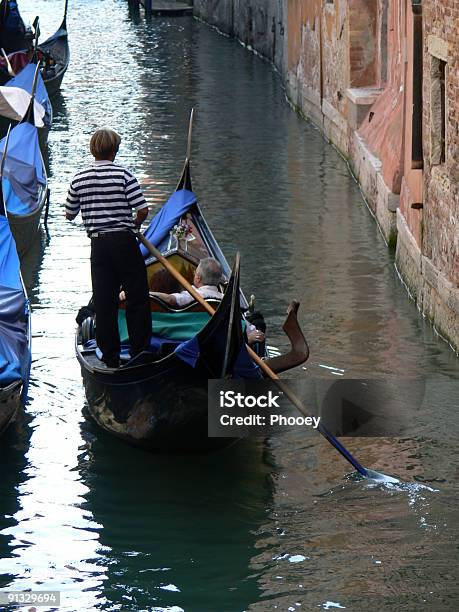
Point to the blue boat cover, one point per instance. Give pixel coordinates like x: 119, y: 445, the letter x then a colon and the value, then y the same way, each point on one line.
x: 14, y: 349
x: 169, y: 215
x: 24, y: 80
x: 243, y: 367
x: 23, y: 170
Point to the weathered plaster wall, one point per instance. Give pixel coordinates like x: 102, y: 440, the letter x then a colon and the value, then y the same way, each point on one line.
x: 347, y: 66
x: 335, y: 70
x: 363, y: 48
x: 382, y: 130
x: 303, y: 70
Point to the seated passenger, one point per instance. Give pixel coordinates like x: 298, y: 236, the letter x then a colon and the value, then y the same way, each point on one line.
x: 206, y: 278
x: 208, y: 275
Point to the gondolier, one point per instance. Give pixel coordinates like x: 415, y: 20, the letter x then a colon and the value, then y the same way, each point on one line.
x: 107, y: 195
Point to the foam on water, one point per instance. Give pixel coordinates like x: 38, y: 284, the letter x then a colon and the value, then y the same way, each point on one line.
x: 375, y: 479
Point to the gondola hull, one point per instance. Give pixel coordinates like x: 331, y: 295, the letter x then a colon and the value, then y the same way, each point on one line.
x: 15, y: 330
x: 57, y: 49
x: 42, y: 132
x: 53, y: 85
x: 25, y: 227
x: 10, y: 402
x: 162, y: 404
x: 162, y: 408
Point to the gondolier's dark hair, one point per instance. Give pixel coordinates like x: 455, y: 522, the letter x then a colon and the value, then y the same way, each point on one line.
x: 104, y: 142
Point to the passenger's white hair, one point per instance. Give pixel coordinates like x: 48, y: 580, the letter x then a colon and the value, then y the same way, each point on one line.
x: 210, y: 271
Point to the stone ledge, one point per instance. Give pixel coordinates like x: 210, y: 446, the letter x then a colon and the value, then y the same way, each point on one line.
x: 334, y: 115
x: 363, y: 95
x: 438, y: 47
x: 391, y: 200
x: 429, y: 272
x: 361, y: 99
x: 367, y: 154
x: 407, y: 237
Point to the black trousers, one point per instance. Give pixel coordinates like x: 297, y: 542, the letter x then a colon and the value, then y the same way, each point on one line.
x: 116, y: 261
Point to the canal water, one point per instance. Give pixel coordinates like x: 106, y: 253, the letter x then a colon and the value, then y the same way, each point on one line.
x: 274, y: 524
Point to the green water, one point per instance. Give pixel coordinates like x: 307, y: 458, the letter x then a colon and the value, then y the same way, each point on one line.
x: 266, y: 525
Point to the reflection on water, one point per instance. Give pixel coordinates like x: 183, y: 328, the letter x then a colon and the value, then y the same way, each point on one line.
x: 163, y: 547
x: 273, y: 525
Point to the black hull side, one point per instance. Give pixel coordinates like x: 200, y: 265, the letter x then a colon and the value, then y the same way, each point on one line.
x: 59, y: 50
x: 163, y: 411
x: 10, y: 401
x: 53, y: 85
x: 25, y: 228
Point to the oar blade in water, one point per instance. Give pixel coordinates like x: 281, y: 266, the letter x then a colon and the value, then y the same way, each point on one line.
x: 382, y: 478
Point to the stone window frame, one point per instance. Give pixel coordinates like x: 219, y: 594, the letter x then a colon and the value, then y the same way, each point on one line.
x: 438, y: 50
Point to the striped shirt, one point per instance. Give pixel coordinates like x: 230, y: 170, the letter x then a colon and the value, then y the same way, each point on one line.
x: 106, y: 194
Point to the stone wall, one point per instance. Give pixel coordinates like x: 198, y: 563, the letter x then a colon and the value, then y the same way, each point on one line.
x: 428, y: 243
x: 256, y: 23
x: 347, y: 65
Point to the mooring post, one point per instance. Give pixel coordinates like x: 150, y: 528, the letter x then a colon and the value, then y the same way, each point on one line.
x: 134, y: 3
x: 148, y: 6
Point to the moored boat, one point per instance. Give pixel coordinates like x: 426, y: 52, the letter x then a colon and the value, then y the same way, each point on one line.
x: 15, y: 334
x: 161, y: 404
x: 24, y: 182
x: 30, y: 82
x: 54, y: 55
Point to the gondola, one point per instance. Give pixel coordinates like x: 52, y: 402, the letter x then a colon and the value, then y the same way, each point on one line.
x: 24, y: 181
x: 30, y: 80
x: 162, y: 404
x: 54, y: 56
x: 15, y: 336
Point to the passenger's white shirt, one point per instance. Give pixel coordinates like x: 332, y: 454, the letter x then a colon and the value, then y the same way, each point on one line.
x: 207, y: 291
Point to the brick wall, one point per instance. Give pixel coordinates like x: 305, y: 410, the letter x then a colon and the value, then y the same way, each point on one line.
x: 440, y: 237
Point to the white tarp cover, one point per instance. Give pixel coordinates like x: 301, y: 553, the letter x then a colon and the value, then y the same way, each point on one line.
x: 14, y: 103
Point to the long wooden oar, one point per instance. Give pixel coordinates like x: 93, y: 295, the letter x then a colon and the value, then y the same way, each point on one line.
x: 266, y: 369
